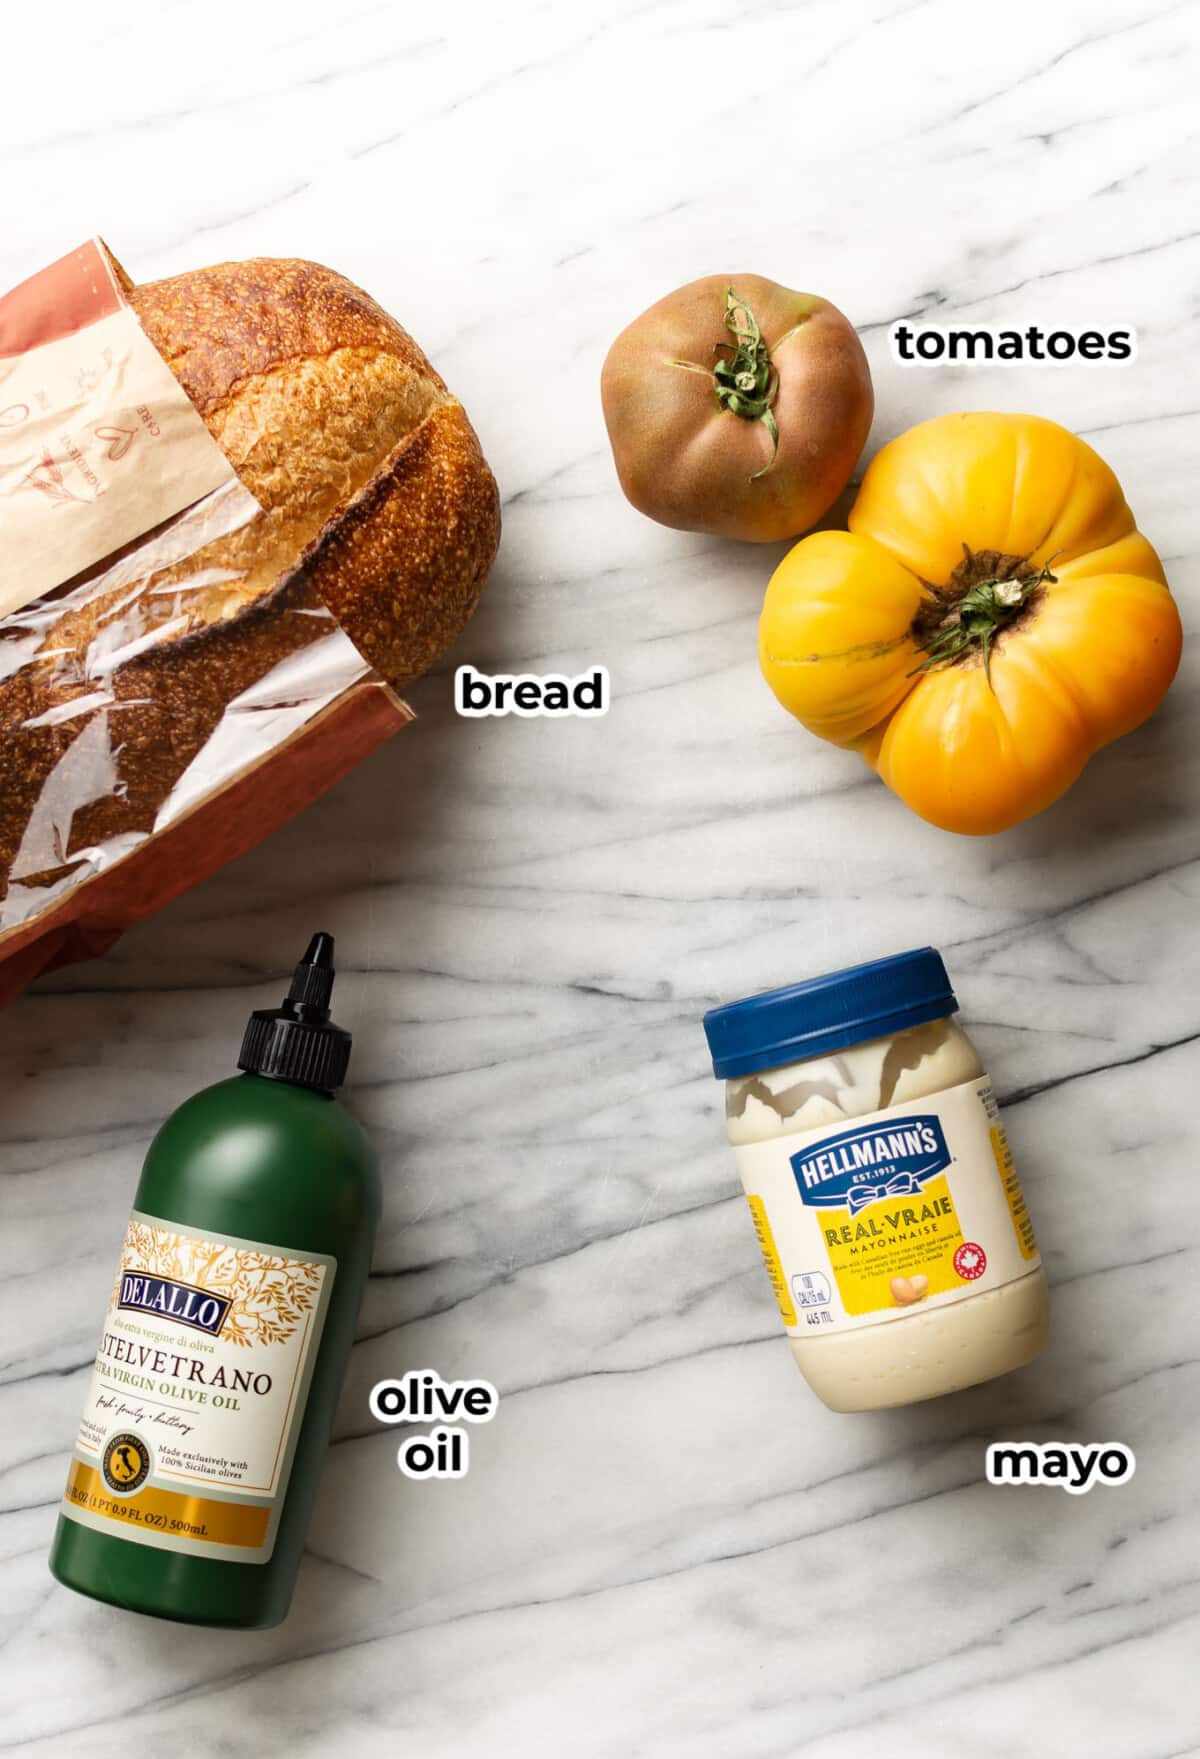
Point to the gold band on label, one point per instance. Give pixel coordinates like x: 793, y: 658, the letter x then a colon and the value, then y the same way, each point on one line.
x: 169, y: 1513
x: 770, y: 1252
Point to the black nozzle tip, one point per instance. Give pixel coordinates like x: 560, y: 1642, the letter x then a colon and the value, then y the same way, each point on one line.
x: 320, y: 952
x: 298, y: 1042
x: 312, y: 980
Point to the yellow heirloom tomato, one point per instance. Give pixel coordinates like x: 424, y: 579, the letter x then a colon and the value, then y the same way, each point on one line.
x: 990, y: 620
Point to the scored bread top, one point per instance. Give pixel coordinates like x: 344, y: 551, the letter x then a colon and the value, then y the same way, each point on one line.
x: 318, y: 398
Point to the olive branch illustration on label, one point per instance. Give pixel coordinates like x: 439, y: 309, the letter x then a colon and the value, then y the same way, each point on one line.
x: 268, y: 1295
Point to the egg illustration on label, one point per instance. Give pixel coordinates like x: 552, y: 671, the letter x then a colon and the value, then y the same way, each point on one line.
x: 908, y: 1290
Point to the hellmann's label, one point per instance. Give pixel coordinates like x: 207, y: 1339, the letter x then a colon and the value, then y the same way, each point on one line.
x: 197, y: 1391
x: 916, y: 1205
x: 830, y: 1175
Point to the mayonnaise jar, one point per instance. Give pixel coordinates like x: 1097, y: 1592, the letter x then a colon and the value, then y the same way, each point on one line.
x: 881, y: 1184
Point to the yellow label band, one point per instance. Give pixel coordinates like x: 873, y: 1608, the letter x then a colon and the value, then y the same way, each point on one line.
x: 766, y: 1242
x: 165, y: 1511
x: 1017, y: 1207
x: 870, y: 1218
x: 893, y: 1253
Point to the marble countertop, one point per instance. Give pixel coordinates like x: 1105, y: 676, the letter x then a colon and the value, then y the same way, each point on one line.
x: 665, y: 1547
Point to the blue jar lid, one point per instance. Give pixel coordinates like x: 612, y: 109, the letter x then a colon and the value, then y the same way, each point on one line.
x: 829, y: 1013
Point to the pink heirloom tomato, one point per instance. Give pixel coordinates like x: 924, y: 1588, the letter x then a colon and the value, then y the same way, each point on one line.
x: 738, y: 407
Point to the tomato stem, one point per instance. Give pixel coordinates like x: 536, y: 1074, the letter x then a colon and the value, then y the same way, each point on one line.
x: 986, y: 593
x: 748, y: 382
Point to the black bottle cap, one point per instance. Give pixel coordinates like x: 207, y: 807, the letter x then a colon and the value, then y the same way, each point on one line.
x: 298, y: 1042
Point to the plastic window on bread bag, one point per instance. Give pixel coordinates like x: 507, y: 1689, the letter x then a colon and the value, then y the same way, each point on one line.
x: 146, y: 685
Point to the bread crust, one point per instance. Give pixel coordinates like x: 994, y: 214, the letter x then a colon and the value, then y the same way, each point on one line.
x: 402, y: 566
x: 403, y: 560
x: 377, y: 506
x: 218, y: 327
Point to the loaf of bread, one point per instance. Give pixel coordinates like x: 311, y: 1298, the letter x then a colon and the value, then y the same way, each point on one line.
x: 367, y: 469
x: 375, y: 505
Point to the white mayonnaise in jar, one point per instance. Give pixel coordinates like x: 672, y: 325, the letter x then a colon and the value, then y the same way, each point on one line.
x: 881, y: 1184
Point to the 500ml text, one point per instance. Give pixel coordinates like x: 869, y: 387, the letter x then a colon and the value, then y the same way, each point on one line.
x: 529, y: 693
x: 939, y: 344
x: 1065, y: 1465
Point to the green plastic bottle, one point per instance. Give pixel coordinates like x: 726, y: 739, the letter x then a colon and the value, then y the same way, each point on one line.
x: 227, y: 1332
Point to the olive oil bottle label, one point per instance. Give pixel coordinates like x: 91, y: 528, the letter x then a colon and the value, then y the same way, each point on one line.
x: 918, y: 1205
x: 198, y: 1391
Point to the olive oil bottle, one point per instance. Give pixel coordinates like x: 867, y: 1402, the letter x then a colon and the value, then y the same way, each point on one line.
x: 231, y: 1316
